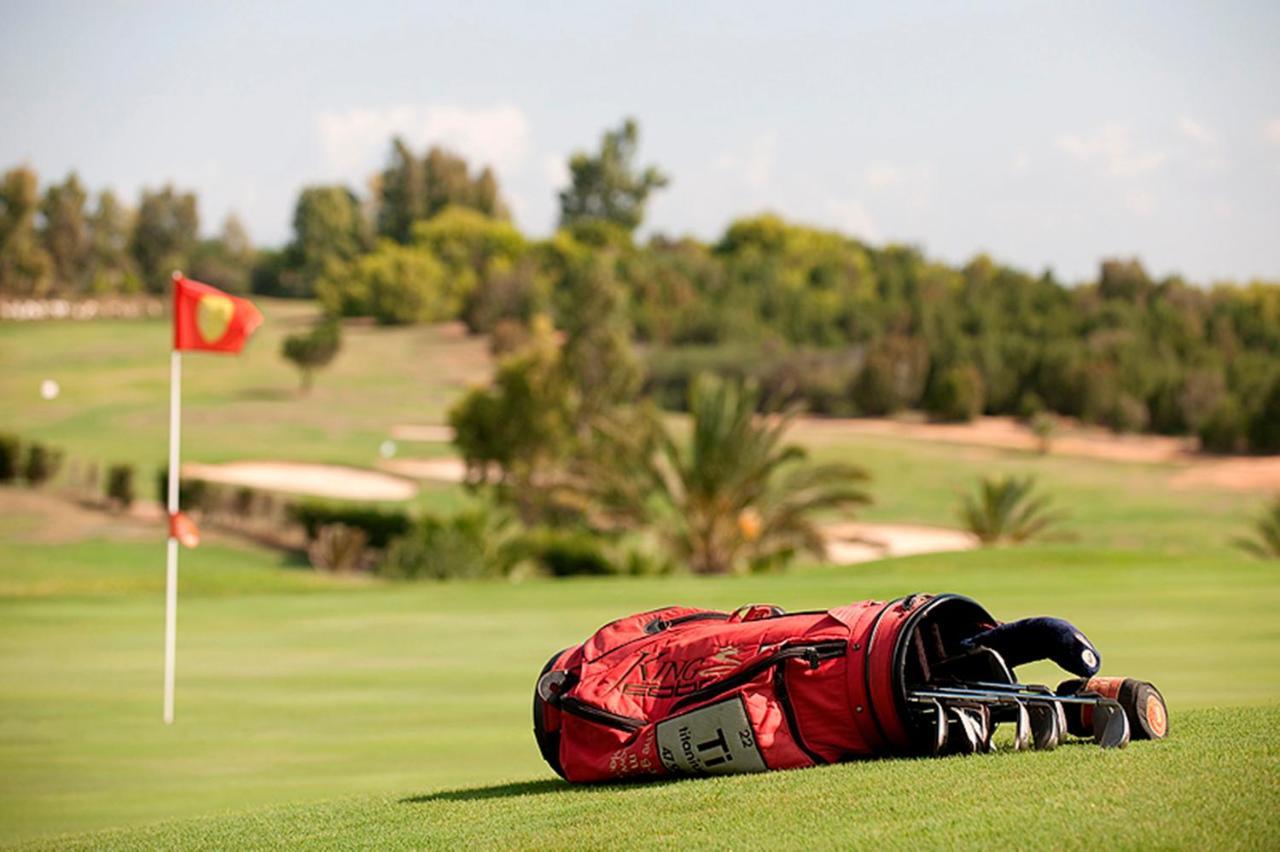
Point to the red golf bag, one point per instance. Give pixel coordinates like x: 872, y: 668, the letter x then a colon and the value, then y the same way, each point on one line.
x: 680, y: 691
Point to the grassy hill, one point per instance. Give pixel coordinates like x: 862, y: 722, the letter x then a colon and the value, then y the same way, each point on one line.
x: 366, y: 714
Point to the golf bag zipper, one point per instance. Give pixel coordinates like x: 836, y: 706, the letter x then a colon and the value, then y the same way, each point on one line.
x: 660, y: 624
x: 578, y: 707
x: 789, y: 711
x: 813, y: 653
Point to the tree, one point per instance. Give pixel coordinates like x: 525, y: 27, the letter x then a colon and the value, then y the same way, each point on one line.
x: 65, y: 233
x: 111, y: 268
x: 471, y: 246
x: 1006, y: 510
x: 1264, y: 429
x: 599, y: 360
x: 402, y: 193
x: 957, y: 396
x: 516, y: 432
x: 328, y: 228
x: 165, y: 232
x: 607, y: 186
x: 313, y: 349
x: 1265, y: 543
x: 25, y: 267
x: 226, y: 262
x: 736, y: 496
x: 394, y: 284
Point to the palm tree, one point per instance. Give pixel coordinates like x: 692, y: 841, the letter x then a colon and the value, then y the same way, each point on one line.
x: 1266, y: 543
x: 1004, y: 510
x: 735, y: 496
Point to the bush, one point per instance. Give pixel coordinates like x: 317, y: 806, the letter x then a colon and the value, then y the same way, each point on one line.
x: 394, y: 284
x: 568, y: 553
x: 874, y: 392
x: 957, y: 396
x: 311, y: 350
x: 42, y: 464
x: 10, y: 457
x: 1264, y: 428
x: 1128, y: 414
x: 380, y: 526
x: 1224, y: 430
x: 339, y: 549
x: 193, y: 494
x: 120, y: 485
x: 469, y: 545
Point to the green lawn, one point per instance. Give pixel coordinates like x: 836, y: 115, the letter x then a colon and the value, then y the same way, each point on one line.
x: 364, y: 714
x: 406, y: 691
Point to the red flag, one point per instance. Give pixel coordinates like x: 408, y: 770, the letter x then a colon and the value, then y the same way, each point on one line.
x: 184, y: 530
x: 205, y: 318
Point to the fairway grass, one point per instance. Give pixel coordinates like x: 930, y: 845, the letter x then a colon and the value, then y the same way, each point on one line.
x: 394, y: 692
x: 1213, y: 785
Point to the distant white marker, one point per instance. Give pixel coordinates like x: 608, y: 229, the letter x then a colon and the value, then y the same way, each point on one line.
x: 49, y: 389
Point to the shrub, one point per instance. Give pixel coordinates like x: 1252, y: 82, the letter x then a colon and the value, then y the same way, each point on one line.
x: 311, y: 350
x: 873, y: 391
x: 1004, y: 509
x: 10, y: 457
x: 567, y: 553
x: 957, y: 395
x: 1264, y: 428
x: 1224, y: 430
x: 339, y: 549
x: 1265, y: 543
x: 471, y: 544
x: 1128, y: 414
x: 120, y: 485
x: 42, y: 464
x: 380, y: 526
x: 193, y: 494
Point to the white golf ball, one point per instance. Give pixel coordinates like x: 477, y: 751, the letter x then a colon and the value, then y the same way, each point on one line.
x: 49, y: 389
x: 387, y: 450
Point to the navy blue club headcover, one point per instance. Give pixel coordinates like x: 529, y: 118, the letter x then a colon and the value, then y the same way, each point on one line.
x: 1041, y: 638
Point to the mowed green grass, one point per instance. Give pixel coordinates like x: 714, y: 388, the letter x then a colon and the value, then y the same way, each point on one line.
x: 358, y: 713
x: 363, y: 696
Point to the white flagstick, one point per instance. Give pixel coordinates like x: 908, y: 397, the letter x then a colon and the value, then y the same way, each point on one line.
x: 171, y: 572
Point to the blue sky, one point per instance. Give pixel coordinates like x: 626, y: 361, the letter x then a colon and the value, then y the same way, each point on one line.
x: 1049, y: 135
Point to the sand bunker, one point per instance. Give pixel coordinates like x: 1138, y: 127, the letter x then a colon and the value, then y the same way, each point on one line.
x: 858, y: 541
x: 317, y: 480
x: 427, y: 433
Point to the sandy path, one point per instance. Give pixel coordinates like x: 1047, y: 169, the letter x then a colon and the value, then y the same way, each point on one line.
x: 318, y: 480
x: 1008, y: 433
x: 426, y: 433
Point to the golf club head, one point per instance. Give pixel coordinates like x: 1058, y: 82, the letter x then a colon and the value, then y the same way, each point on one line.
x: 1022, y: 729
x: 1046, y: 726
x: 939, y: 741
x: 1110, y: 725
x: 967, y: 738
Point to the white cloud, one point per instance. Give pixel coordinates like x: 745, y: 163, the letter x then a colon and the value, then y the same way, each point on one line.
x: 1271, y: 130
x: 555, y: 170
x: 754, y: 165
x: 1140, y: 202
x: 852, y: 217
x: 1195, y: 131
x: 881, y: 175
x: 1113, y: 149
x: 355, y: 141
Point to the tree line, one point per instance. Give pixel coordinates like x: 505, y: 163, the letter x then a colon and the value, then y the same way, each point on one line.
x: 810, y: 315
